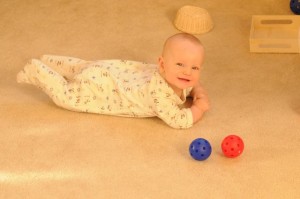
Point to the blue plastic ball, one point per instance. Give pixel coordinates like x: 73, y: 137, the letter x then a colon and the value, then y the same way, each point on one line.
x: 200, y: 149
x: 295, y: 6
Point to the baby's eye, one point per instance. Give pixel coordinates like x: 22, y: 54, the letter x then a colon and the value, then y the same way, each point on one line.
x: 195, y: 68
x: 179, y: 64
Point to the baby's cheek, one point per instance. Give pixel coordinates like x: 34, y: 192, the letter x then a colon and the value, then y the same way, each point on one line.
x: 193, y: 83
x: 196, y: 77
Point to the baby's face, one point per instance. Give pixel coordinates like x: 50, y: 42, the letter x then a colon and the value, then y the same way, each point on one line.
x: 181, y: 64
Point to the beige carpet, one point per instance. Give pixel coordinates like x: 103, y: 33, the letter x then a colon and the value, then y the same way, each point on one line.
x: 48, y: 152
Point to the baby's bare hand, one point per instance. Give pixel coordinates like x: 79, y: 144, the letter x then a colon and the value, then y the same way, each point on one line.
x: 202, y: 103
x: 199, y: 92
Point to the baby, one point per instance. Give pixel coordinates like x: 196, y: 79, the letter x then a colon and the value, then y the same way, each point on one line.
x: 127, y: 88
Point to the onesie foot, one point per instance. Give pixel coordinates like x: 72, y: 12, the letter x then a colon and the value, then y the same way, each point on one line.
x: 22, y: 77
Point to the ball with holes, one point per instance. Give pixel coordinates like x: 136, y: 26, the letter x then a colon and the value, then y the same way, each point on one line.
x: 200, y: 149
x: 232, y: 146
x: 295, y: 6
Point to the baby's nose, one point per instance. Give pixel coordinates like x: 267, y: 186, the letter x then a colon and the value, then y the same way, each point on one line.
x: 187, y: 71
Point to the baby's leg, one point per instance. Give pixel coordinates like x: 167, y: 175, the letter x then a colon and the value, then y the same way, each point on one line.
x: 66, y: 66
x: 52, y: 83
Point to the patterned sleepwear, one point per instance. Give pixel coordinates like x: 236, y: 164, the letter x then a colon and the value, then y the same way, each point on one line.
x: 112, y: 87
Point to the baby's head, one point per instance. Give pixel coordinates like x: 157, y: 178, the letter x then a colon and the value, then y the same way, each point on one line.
x: 181, y: 61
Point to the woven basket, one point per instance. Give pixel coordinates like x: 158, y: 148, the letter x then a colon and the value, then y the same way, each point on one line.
x: 193, y: 20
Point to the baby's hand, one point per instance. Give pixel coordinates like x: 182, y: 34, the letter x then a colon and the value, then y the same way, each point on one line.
x: 200, y: 98
x: 202, y: 103
x: 198, y: 93
x: 199, y: 106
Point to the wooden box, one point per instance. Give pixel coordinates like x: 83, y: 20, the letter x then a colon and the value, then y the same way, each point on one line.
x: 275, y: 34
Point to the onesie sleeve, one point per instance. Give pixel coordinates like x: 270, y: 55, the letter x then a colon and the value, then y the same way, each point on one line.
x: 168, y: 110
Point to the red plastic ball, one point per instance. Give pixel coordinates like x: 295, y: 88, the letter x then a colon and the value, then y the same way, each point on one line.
x: 232, y: 146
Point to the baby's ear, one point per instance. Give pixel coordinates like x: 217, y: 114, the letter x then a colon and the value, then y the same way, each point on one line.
x: 161, y: 64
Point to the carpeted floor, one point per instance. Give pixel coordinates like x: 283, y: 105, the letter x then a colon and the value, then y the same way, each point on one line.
x: 48, y: 152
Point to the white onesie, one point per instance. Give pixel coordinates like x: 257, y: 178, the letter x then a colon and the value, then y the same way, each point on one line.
x: 112, y: 87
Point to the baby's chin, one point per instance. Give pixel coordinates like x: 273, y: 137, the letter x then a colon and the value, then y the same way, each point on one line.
x: 185, y: 84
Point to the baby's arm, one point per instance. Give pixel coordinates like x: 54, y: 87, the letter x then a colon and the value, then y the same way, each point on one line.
x: 168, y: 110
x: 200, y: 102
